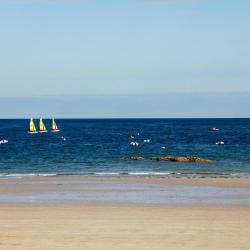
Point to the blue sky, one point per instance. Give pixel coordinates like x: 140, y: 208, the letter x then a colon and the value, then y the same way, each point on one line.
x: 111, y: 48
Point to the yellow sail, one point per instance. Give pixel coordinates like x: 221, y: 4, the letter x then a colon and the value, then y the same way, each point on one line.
x: 54, y: 127
x: 32, y: 127
x: 42, y: 127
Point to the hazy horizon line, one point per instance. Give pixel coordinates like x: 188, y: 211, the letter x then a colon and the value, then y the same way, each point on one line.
x: 123, y: 118
x: 164, y: 105
x: 132, y: 94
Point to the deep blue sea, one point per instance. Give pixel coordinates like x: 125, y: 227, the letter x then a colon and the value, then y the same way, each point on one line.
x: 97, y: 146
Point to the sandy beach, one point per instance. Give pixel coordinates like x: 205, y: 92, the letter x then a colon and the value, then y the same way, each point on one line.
x: 124, y: 125
x: 106, y: 224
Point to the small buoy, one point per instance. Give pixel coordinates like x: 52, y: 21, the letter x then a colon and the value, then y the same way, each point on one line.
x: 163, y: 147
x: 214, y: 129
x: 63, y: 138
x: 147, y: 140
x: 3, y: 141
x: 134, y: 144
x: 220, y: 143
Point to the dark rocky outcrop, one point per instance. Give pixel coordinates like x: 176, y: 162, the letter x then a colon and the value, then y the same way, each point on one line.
x: 169, y: 158
x: 179, y: 159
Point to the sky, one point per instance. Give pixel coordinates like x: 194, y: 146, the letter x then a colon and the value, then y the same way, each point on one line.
x: 131, y: 58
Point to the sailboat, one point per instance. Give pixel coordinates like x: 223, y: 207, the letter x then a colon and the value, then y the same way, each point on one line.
x: 42, y: 128
x: 32, y: 129
x: 54, y: 127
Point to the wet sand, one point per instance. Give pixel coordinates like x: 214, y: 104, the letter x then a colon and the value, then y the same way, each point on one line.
x: 127, y: 190
x: 81, y: 183
x: 80, y: 224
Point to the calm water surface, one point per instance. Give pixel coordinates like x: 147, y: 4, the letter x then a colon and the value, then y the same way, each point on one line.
x: 96, y: 147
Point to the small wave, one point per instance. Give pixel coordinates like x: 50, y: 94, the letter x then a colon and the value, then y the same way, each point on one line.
x: 107, y: 173
x: 131, y: 173
x: 16, y: 175
x: 149, y: 173
x: 138, y: 173
x: 47, y: 174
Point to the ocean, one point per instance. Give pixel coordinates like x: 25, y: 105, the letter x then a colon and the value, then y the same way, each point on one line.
x: 97, y: 147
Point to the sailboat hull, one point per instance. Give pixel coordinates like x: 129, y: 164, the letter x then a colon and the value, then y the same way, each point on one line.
x: 55, y: 130
x: 35, y: 132
x: 44, y: 131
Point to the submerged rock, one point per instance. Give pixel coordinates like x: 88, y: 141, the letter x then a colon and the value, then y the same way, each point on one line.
x: 179, y: 159
x: 169, y: 158
x: 134, y: 158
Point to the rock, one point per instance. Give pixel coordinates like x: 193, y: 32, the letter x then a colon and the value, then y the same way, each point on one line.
x: 134, y: 158
x: 179, y: 159
x: 169, y: 158
x: 197, y: 159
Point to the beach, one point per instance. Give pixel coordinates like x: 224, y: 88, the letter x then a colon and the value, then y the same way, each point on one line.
x: 124, y: 125
x: 79, y: 212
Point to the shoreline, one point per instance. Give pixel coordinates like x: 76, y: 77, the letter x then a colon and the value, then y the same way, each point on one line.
x: 129, y: 174
x: 208, y: 180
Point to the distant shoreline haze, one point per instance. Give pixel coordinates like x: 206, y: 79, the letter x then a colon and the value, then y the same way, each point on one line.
x: 171, y: 105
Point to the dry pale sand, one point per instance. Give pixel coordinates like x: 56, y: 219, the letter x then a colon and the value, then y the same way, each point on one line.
x: 123, y: 227
x: 117, y: 226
